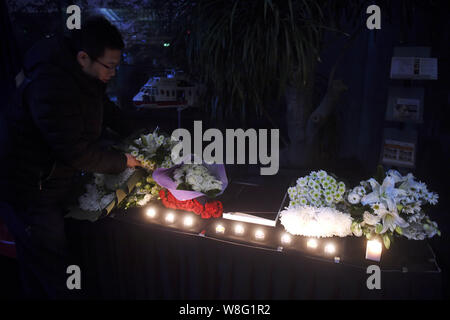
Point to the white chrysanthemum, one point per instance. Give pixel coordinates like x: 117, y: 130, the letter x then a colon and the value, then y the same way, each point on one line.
x: 434, y: 198
x: 316, y: 222
x: 353, y: 198
x: 322, y: 174
x: 360, y: 191
x: 414, y: 231
x: 144, y: 200
x: 378, y: 207
x: 302, y: 182
x: 135, y: 153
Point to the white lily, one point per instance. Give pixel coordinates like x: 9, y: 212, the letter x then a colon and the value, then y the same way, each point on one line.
x: 391, y: 220
x: 394, y: 174
x: 386, y: 193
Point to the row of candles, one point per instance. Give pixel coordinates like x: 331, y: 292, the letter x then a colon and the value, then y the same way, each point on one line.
x: 373, y: 248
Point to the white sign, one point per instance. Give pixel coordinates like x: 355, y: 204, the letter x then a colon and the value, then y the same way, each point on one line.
x: 398, y: 153
x: 414, y: 68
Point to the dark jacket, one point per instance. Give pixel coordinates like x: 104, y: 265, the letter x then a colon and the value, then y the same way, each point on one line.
x: 55, y: 133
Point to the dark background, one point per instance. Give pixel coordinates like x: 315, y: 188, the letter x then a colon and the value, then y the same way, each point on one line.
x: 359, y: 117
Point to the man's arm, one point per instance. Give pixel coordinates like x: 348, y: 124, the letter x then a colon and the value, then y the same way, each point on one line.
x: 57, y: 114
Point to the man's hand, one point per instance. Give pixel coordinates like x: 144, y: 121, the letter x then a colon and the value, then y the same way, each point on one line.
x: 131, y: 161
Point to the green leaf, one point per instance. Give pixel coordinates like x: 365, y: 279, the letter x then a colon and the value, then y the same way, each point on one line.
x: 387, y: 241
x: 399, y: 230
x: 378, y: 228
x: 213, y: 193
x: 184, y: 186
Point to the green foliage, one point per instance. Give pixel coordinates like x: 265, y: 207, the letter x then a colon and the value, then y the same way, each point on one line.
x: 387, y: 241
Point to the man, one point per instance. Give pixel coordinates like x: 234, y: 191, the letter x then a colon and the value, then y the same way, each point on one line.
x: 54, y: 131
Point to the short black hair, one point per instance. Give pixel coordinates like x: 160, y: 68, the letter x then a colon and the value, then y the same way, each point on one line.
x: 96, y: 35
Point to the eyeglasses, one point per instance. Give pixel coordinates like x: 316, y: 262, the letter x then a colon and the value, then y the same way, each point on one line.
x: 106, y: 66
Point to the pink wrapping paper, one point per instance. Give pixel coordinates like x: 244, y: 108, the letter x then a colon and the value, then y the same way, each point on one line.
x: 163, y: 177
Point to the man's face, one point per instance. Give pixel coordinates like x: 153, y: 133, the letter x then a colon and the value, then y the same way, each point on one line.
x: 102, y: 68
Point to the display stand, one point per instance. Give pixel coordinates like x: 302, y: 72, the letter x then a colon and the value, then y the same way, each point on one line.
x: 410, y: 67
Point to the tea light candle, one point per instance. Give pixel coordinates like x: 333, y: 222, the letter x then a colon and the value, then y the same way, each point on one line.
x: 259, y: 234
x: 373, y: 250
x: 151, y: 213
x: 220, y: 229
x: 312, y: 243
x: 286, y: 239
x: 188, y: 221
x: 330, y: 248
x: 239, y: 229
x: 170, y: 217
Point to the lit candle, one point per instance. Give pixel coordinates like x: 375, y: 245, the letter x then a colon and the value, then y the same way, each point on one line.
x: 373, y: 250
x: 286, y: 239
x: 151, y: 212
x: 259, y: 234
x: 312, y: 243
x: 330, y: 248
x: 188, y: 221
x: 220, y: 228
x: 170, y: 217
x: 239, y: 229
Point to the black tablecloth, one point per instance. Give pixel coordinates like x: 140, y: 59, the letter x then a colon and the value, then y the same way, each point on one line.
x: 125, y: 256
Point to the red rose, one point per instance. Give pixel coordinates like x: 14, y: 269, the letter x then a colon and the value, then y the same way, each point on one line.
x: 214, y: 208
x: 197, y: 207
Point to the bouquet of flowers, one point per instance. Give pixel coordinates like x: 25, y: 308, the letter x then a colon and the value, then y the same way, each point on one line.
x: 132, y: 187
x: 312, y: 207
x: 383, y: 206
x: 187, y: 182
x: 211, y: 209
x: 392, y: 204
x: 145, y: 190
x: 318, y: 189
x: 101, y: 192
x: 152, y: 150
x: 190, y: 181
x: 196, y: 177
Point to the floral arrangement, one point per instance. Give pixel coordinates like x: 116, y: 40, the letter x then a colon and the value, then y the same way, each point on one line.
x: 312, y: 202
x: 152, y: 150
x: 392, y: 204
x: 196, y: 177
x: 316, y: 222
x: 190, y: 181
x: 383, y: 206
x: 101, y: 191
x: 146, y: 190
x: 318, y: 189
x: 210, y: 209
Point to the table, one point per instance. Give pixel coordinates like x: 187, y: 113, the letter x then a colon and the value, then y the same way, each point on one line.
x: 125, y: 256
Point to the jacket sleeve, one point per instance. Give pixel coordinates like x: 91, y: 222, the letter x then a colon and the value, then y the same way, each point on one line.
x: 56, y: 111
